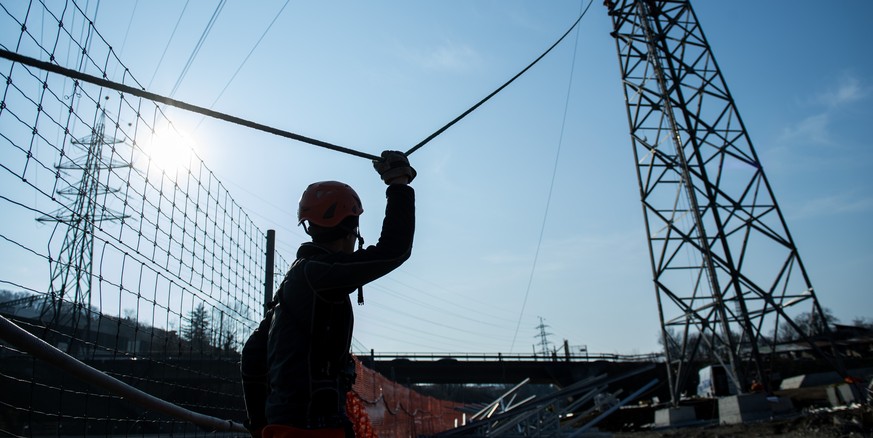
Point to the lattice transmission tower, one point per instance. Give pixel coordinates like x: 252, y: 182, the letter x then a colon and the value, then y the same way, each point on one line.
x: 69, y: 297
x: 727, y: 274
x: 543, y: 336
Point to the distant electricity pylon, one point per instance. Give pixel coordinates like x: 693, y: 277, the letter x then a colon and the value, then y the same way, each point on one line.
x: 728, y: 276
x: 71, y: 271
x: 543, y: 336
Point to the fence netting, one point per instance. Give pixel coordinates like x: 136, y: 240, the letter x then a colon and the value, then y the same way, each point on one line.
x: 381, y: 407
x: 144, y: 269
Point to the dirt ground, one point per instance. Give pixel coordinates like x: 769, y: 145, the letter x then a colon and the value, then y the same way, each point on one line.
x: 854, y: 421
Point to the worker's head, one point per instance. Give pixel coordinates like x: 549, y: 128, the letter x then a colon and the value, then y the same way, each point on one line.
x: 329, y: 211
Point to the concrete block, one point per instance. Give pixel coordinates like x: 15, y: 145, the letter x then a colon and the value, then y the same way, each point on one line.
x: 674, y: 416
x: 809, y: 380
x: 742, y: 408
x: 780, y: 405
x: 843, y: 394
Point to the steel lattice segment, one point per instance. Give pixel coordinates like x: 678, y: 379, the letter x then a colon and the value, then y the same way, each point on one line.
x: 72, y: 271
x: 726, y: 271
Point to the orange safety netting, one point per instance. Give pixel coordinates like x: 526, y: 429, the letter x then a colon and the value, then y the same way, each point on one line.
x: 379, y: 407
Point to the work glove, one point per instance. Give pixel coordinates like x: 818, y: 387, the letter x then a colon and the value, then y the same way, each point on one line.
x: 393, y: 164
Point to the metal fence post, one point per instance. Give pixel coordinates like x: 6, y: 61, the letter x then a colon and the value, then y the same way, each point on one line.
x: 268, y: 282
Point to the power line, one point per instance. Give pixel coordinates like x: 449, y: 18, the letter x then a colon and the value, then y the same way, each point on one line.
x: 166, y: 47
x: 499, y: 89
x: 446, y: 313
x: 199, y: 45
x: 551, y: 186
x: 15, y: 57
x: 129, y: 24
x: 250, y: 53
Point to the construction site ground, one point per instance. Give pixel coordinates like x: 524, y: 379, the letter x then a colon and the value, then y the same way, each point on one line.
x: 853, y: 421
x: 812, y: 416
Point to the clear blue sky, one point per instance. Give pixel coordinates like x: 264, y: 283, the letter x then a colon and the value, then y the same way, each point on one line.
x: 385, y: 74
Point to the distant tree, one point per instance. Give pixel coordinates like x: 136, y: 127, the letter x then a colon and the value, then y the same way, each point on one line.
x: 810, y: 323
x: 8, y: 295
x: 702, y: 346
x: 694, y: 344
x: 864, y: 322
x: 11, y: 302
x: 227, y: 345
x: 196, y: 331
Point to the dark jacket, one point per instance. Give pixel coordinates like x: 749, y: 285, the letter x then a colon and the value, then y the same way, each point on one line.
x: 311, y: 332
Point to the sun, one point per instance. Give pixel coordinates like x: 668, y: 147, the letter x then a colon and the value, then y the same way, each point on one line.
x: 170, y: 150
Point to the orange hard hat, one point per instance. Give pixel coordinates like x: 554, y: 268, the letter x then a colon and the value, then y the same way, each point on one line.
x: 327, y: 203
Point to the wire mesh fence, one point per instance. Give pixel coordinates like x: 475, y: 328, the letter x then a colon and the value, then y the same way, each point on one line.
x: 146, y: 270
x: 142, y: 269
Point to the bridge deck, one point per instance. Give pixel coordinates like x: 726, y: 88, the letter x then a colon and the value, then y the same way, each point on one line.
x: 499, y: 369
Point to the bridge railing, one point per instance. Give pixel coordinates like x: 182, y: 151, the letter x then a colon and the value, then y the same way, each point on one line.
x: 514, y: 357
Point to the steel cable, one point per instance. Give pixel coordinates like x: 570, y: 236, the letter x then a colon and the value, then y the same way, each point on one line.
x: 551, y: 187
x: 499, y: 89
x: 199, y: 45
x: 74, y: 74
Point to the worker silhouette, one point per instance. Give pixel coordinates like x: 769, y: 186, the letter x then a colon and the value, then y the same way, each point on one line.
x: 310, y: 369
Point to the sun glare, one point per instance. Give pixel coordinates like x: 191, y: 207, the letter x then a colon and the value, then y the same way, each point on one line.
x: 171, y: 150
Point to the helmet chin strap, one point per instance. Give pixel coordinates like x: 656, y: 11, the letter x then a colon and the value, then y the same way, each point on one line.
x: 360, y: 246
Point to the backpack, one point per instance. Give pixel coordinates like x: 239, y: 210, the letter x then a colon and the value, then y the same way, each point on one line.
x: 254, y: 372
x: 254, y: 369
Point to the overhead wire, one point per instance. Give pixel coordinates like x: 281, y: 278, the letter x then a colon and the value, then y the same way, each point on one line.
x: 499, y: 89
x: 198, y: 46
x: 416, y: 300
x: 551, y: 187
x: 393, y: 325
x: 243, y: 63
x: 127, y: 31
x: 396, y: 300
x: 419, y: 319
x: 397, y: 303
x: 167, y: 46
x: 387, y: 337
x: 471, y: 301
x: 399, y: 295
x: 486, y: 333
x: 451, y: 312
x: 202, y: 39
x: 141, y: 92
